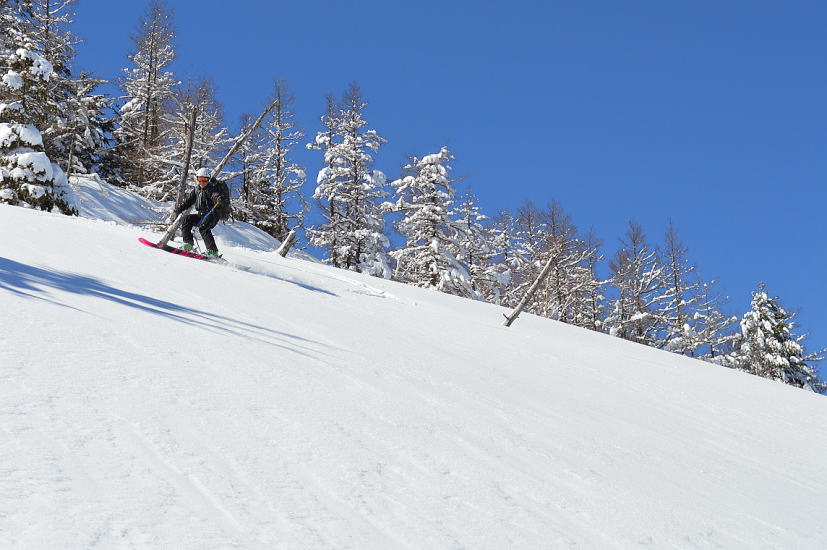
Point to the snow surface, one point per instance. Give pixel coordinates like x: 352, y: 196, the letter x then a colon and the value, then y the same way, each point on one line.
x: 154, y: 401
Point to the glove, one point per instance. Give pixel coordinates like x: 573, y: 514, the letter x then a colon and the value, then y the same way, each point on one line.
x: 216, y: 198
x: 172, y: 215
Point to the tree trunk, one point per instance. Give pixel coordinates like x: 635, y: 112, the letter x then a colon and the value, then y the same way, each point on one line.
x: 182, y: 185
x: 516, y: 313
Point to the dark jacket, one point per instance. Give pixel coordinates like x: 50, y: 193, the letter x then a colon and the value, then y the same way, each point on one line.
x: 203, y: 199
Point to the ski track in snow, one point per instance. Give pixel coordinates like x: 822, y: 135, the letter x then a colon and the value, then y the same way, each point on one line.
x: 153, y: 401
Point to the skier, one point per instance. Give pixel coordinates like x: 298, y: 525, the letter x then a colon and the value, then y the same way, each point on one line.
x: 206, y: 198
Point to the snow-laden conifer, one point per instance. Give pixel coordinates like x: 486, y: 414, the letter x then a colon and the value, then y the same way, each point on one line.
x: 571, y: 277
x: 148, y: 86
x: 588, y: 303
x: 428, y: 259
x: 507, y: 260
x: 680, y: 288
x: 531, y: 243
x: 75, y: 125
x: 712, y: 335
x: 86, y: 144
x: 472, y: 247
x: 768, y: 347
x: 637, y: 277
x: 271, y: 197
x: 349, y: 189
x: 27, y: 175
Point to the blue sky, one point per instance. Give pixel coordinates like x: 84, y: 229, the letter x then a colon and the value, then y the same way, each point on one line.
x: 711, y: 113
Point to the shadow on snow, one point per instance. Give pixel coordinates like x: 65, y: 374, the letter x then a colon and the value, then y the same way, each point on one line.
x: 32, y: 282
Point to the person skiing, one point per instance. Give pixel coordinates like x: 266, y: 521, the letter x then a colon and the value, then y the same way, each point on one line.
x: 206, y: 198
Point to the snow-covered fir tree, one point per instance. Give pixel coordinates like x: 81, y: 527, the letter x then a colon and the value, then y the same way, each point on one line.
x: 679, y: 296
x: 571, y: 276
x: 767, y: 346
x: 637, y: 277
x: 531, y: 243
x: 428, y: 259
x: 148, y: 86
x: 473, y: 249
x: 271, y: 197
x: 327, y: 234
x: 588, y: 306
x: 74, y: 126
x: 713, y: 335
x: 507, y: 259
x: 27, y: 175
x: 86, y: 147
x: 349, y: 189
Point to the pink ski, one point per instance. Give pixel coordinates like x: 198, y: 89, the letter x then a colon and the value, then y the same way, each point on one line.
x: 179, y: 251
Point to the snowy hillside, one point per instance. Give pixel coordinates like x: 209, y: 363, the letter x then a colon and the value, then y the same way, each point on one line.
x: 153, y: 401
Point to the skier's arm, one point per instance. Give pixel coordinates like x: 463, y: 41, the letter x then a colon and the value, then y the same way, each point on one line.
x: 187, y: 202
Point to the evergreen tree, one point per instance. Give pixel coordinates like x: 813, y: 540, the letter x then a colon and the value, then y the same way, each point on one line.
x: 428, y: 258
x: 27, y: 175
x: 588, y: 307
x: 473, y: 249
x: 531, y: 243
x: 86, y: 146
x: 148, y: 88
x: 507, y: 260
x: 637, y: 276
x: 75, y: 125
x: 348, y: 190
x: 331, y: 233
x: 571, y: 276
x: 767, y: 346
x: 713, y: 334
x: 679, y: 297
x: 272, y: 182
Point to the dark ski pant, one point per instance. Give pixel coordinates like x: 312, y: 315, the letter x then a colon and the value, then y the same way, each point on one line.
x: 205, y: 229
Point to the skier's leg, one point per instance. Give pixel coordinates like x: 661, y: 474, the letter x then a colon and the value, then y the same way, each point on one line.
x: 206, y: 232
x: 186, y: 228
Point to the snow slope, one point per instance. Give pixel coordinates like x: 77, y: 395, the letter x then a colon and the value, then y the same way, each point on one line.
x: 154, y: 401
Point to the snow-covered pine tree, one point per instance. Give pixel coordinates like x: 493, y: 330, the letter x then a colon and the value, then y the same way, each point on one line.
x: 148, y: 86
x: 74, y: 126
x: 679, y: 296
x: 570, y: 275
x: 531, y: 243
x: 272, y: 182
x: 428, y: 258
x: 87, y: 145
x: 637, y: 276
x: 330, y: 233
x: 348, y: 190
x: 473, y: 249
x: 248, y: 160
x: 47, y: 28
x: 507, y: 259
x: 27, y: 175
x: 588, y: 307
x: 713, y: 335
x: 767, y: 346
